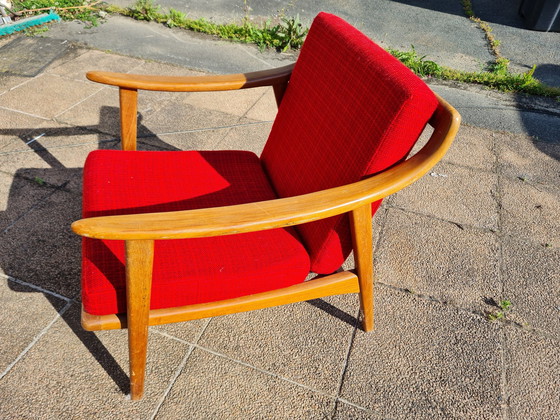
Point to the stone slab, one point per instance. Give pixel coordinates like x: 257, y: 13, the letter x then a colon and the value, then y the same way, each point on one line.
x: 532, y: 365
x: 439, y: 259
x: 304, y: 342
x: 15, y: 126
x: 28, y: 56
x: 531, y: 210
x: 177, y: 116
x: 235, y: 102
x: 425, y: 360
x: 473, y: 147
x: 216, y: 387
x: 38, y: 246
x: 529, y: 159
x: 532, y: 284
x: 85, y: 60
x: 62, y: 94
x: 457, y: 194
x: 25, y: 313
x: 71, y: 373
x: 346, y: 412
x: 252, y: 137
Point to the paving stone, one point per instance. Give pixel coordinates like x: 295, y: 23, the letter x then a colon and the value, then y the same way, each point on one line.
x: 304, y: 342
x: 265, y: 109
x: 235, y: 102
x: 56, y: 149
x: 192, y: 140
x: 17, y: 196
x: 532, y: 372
x: 74, y: 374
x: 213, y: 387
x: 62, y: 95
x: 15, y: 126
x: 89, y: 60
x: 29, y: 56
x: 251, y: 137
x: 177, y: 116
x: 438, y: 259
x: 473, y: 147
x: 531, y: 210
x: 453, y: 193
x: 532, y: 284
x: 523, y: 157
x: 25, y: 313
x: 101, y: 111
x: 425, y: 360
x: 164, y: 69
x: 347, y: 411
x: 38, y: 245
x: 188, y: 331
x: 8, y: 82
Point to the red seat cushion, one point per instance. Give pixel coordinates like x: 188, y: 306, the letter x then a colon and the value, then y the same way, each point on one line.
x: 186, y: 271
x: 350, y: 110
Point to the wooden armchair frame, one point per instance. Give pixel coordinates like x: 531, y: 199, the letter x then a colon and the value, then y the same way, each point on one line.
x: 139, y: 231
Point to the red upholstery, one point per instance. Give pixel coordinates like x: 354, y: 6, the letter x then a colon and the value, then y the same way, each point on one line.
x: 350, y: 110
x: 191, y: 270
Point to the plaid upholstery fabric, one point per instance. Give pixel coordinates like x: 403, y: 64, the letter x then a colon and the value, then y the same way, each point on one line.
x: 350, y: 110
x: 191, y: 270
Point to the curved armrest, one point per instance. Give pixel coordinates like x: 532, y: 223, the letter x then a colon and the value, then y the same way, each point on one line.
x: 270, y: 77
x: 280, y: 212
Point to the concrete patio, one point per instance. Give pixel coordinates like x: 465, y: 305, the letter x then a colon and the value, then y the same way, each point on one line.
x: 482, y: 227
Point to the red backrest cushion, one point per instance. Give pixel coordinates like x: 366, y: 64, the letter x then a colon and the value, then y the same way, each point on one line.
x: 350, y: 110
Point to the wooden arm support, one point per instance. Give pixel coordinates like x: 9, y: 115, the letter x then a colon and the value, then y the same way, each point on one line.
x: 280, y: 212
x: 194, y: 83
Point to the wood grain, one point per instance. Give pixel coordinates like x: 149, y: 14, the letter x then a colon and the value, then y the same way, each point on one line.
x: 362, y: 241
x: 139, y: 265
x: 335, y: 284
x: 193, y: 83
x: 128, y: 99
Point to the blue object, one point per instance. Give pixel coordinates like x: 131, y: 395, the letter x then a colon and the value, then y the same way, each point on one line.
x: 20, y: 25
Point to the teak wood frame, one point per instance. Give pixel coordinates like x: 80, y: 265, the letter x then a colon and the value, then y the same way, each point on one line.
x: 139, y: 231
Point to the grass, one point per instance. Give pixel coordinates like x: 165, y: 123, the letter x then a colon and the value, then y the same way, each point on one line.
x: 288, y: 34
x: 498, y: 78
x: 85, y: 11
x: 497, y: 315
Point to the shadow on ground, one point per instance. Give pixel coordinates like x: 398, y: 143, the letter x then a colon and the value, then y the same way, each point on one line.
x: 41, y: 250
x: 503, y: 12
x: 542, y: 123
x: 37, y: 242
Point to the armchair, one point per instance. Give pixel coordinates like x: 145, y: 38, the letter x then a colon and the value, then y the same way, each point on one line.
x: 177, y: 236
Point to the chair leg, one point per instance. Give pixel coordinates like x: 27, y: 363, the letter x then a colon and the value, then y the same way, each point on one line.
x: 360, y: 222
x: 139, y: 264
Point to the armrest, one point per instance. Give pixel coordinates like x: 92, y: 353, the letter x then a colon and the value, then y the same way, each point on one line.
x: 280, y: 212
x: 270, y: 77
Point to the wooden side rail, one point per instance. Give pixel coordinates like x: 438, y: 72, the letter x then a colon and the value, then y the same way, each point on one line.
x: 335, y: 284
x: 280, y: 212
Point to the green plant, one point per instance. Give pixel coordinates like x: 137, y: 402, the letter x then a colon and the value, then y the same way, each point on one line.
x: 36, y: 30
x: 418, y: 65
x: 176, y: 18
x: 290, y: 34
x: 39, y: 181
x: 84, y: 11
x: 497, y: 315
x: 145, y: 10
